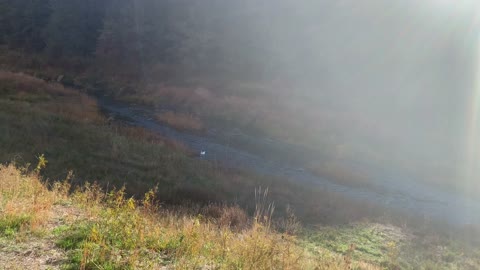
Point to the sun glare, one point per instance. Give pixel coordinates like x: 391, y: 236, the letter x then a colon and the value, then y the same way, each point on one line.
x: 473, y: 140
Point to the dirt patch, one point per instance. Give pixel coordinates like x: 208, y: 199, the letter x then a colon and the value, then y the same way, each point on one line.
x: 35, y: 253
x: 38, y: 252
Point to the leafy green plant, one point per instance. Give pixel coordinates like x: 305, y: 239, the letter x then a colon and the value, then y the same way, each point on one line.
x: 42, y: 163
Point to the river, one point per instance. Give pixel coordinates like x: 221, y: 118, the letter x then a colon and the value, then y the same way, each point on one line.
x: 395, y: 192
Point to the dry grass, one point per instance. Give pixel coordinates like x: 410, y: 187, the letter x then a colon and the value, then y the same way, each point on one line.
x: 92, y: 229
x: 25, y: 202
x: 141, y: 134
x: 110, y: 153
x: 116, y: 232
x: 55, y: 98
x: 181, y: 121
x: 24, y: 84
x: 226, y: 216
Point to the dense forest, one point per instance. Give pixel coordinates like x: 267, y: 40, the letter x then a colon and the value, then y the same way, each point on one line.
x: 320, y: 41
x: 143, y: 34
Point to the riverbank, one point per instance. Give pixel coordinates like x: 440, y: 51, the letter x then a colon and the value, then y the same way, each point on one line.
x: 47, y: 118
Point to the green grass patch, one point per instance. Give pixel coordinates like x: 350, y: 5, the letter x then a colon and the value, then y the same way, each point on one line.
x: 72, y: 237
x: 10, y: 225
x: 362, y: 241
x: 392, y: 248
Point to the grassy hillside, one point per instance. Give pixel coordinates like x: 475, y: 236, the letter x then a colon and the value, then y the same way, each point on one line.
x: 89, y: 229
x: 67, y: 128
x: 197, y: 216
x: 49, y: 227
x: 333, y: 136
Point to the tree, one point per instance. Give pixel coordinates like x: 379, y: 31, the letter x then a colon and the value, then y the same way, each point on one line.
x: 136, y: 35
x: 74, y: 27
x: 22, y: 23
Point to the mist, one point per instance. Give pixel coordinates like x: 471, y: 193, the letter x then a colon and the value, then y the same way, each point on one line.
x: 288, y: 134
x: 388, y: 86
x: 401, y: 74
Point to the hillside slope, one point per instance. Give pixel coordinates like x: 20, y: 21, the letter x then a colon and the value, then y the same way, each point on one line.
x: 44, y: 228
x: 198, y: 217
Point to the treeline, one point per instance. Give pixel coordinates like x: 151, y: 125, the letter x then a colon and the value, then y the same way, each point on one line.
x: 210, y: 36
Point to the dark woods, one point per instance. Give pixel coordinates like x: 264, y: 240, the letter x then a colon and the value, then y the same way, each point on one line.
x: 139, y: 36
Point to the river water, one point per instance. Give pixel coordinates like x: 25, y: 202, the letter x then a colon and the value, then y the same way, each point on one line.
x: 395, y: 192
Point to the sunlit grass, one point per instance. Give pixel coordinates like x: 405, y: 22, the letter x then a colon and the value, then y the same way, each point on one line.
x: 25, y: 202
x: 109, y: 230
x: 117, y: 232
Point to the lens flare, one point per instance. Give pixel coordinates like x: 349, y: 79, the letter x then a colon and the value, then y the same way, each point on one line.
x: 473, y: 135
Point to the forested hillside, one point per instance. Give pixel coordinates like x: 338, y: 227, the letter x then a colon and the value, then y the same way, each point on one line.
x: 135, y: 36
